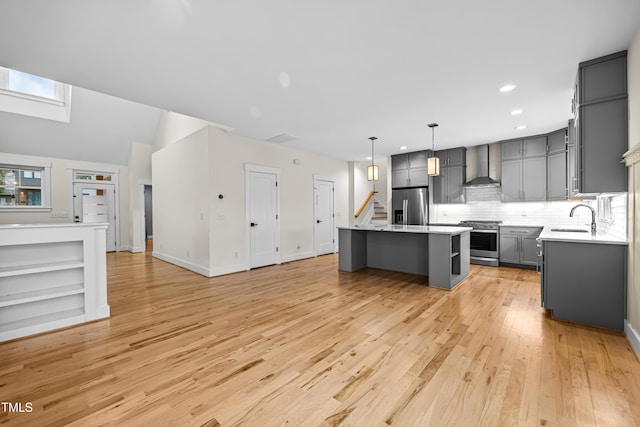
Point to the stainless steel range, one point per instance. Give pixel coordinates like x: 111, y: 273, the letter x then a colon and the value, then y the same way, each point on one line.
x: 485, y: 240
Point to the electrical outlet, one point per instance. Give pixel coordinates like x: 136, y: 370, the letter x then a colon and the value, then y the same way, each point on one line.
x: 235, y: 254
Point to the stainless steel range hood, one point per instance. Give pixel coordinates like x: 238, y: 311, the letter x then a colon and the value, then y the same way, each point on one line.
x: 483, y: 179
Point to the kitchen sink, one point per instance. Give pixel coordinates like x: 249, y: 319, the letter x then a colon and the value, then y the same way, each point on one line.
x: 570, y: 230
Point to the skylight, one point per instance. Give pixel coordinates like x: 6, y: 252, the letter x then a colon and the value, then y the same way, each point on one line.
x: 31, y: 95
x: 32, y: 85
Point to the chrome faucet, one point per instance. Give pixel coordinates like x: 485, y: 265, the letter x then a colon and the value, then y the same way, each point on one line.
x: 593, y: 215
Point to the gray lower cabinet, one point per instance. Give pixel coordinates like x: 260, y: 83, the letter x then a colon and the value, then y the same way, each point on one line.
x: 518, y: 245
x: 585, y: 282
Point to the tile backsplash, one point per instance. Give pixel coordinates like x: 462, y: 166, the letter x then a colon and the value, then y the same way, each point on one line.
x: 486, y: 204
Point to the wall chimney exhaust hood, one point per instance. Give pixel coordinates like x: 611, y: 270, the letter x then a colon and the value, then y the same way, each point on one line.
x: 483, y: 179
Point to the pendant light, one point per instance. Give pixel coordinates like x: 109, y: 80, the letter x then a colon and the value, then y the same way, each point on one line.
x: 433, y: 163
x: 372, y: 169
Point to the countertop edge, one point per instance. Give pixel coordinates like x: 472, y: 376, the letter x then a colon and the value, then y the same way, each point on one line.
x: 600, y: 238
x: 415, y: 229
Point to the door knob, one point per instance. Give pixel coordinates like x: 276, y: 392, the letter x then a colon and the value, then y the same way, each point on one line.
x: 253, y: 224
x: 318, y: 221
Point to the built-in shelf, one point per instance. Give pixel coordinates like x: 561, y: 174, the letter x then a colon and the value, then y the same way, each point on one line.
x: 39, y: 268
x: 40, y: 294
x: 51, y: 276
x: 70, y: 315
x: 455, y: 254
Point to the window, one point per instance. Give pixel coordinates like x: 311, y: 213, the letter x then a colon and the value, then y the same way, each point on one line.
x: 23, y: 187
x: 28, y: 84
x: 31, y: 95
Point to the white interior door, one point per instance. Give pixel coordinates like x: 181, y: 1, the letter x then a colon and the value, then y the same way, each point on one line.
x: 264, y: 230
x: 96, y: 203
x: 324, y: 217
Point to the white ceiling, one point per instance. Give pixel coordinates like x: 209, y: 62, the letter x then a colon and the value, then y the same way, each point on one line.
x: 330, y: 72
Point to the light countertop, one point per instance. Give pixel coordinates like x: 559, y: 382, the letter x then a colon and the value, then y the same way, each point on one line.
x: 55, y: 225
x: 423, y: 229
x: 562, y: 236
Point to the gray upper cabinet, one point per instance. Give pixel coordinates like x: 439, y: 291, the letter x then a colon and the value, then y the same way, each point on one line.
x: 600, y: 126
x: 453, y: 157
x: 603, y: 78
x: 447, y: 188
x: 512, y: 180
x: 557, y: 141
x: 528, y: 147
x: 410, y: 169
x: 524, y: 169
x: 557, y: 184
x: 536, y: 146
x: 534, y: 179
x: 511, y: 150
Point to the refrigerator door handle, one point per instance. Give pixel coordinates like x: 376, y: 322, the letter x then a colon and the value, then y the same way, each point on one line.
x: 405, y: 204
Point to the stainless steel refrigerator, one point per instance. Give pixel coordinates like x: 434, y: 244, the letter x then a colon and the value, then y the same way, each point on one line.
x: 410, y: 206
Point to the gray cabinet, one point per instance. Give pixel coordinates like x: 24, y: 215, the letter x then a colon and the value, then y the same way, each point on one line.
x: 600, y: 126
x: 518, y: 245
x: 447, y: 187
x: 410, y: 169
x: 524, y: 170
x: 528, y: 147
x: 584, y: 282
x: 557, y: 188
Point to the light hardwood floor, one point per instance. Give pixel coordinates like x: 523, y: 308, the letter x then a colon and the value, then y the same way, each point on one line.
x: 302, y: 344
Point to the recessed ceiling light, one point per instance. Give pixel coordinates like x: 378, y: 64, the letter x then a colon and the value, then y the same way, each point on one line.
x: 507, y: 88
x: 520, y: 127
x: 404, y: 147
x: 516, y: 112
x: 369, y: 158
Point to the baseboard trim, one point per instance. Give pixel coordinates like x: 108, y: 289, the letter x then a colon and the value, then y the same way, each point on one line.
x: 136, y: 249
x: 297, y: 257
x: 632, y: 336
x: 181, y: 263
x: 229, y: 269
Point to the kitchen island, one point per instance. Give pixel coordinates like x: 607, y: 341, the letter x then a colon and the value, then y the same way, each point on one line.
x: 439, y: 252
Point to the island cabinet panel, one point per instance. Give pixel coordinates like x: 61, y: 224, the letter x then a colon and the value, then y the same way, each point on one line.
x: 439, y: 252
x: 403, y: 252
x: 585, y: 282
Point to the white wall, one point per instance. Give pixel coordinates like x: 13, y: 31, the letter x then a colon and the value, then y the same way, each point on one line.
x: 173, y: 127
x: 188, y: 176
x: 228, y: 154
x: 62, y: 193
x: 362, y: 187
x: 633, y: 274
x: 139, y: 174
x: 181, y: 198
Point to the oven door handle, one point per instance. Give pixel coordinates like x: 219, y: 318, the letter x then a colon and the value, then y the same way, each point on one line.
x: 485, y: 231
